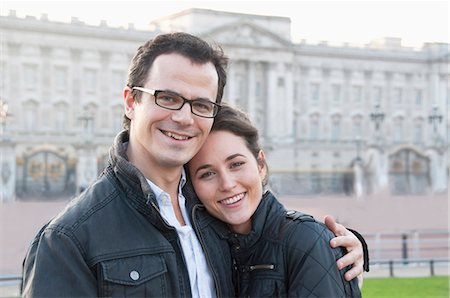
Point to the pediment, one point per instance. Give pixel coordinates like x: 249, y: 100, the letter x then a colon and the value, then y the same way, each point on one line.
x: 246, y: 34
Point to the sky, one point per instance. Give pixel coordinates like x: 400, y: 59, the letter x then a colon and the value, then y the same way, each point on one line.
x: 353, y: 22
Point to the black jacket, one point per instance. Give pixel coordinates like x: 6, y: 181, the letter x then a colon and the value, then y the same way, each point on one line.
x: 112, y: 241
x: 287, y: 254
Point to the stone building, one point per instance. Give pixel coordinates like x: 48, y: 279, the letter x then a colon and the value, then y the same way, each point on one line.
x: 334, y: 119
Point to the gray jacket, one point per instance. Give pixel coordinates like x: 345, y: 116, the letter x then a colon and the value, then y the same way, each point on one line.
x: 112, y: 241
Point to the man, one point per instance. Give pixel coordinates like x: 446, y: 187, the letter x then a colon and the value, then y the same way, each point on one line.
x: 133, y: 233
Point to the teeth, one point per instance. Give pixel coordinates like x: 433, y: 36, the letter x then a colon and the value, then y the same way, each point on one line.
x: 233, y: 199
x: 175, y: 136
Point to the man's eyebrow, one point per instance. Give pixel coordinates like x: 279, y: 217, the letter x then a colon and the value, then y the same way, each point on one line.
x: 178, y: 94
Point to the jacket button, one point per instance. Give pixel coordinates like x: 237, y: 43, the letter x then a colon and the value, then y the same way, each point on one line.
x: 134, y: 275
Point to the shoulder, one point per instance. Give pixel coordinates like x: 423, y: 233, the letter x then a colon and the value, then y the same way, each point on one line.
x: 82, y: 208
x: 304, y: 230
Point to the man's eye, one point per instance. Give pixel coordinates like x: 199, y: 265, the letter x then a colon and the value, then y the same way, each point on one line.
x: 202, y: 105
x: 167, y: 98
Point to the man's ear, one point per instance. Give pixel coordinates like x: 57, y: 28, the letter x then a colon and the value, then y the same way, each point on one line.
x: 129, y: 101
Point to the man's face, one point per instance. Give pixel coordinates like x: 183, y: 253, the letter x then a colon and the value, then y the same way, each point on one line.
x: 166, y: 138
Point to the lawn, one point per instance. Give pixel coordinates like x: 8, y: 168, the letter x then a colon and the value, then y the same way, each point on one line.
x: 422, y: 287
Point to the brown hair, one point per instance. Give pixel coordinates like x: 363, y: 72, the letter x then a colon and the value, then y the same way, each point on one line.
x: 190, y: 46
x: 237, y: 122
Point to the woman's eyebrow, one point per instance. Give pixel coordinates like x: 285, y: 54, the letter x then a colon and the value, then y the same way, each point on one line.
x: 206, y: 166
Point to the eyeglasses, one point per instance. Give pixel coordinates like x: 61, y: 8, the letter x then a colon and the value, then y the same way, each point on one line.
x: 173, y: 101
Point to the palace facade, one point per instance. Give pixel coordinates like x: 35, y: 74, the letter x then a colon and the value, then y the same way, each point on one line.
x: 334, y: 119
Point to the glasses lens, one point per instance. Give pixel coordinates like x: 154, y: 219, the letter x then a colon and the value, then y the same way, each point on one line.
x: 170, y: 101
x: 203, y: 108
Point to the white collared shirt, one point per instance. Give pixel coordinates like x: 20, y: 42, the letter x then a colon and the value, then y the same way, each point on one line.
x: 202, y: 284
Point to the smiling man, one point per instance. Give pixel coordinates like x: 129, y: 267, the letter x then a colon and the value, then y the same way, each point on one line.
x: 133, y: 232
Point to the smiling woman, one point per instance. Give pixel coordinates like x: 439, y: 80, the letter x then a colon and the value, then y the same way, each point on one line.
x: 275, y: 252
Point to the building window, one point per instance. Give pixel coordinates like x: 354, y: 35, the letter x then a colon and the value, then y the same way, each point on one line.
x: 30, y: 109
x: 30, y: 76
x: 398, y: 130
x: 61, y: 117
x: 336, y: 89
x: 296, y: 90
x: 258, y: 87
x: 418, y: 132
x: 3, y: 77
x: 90, y: 80
x: 315, y: 92
x: 357, y: 126
x: 60, y: 79
x: 117, y: 118
x: 314, y: 128
x: 357, y: 94
x: 418, y: 97
x: 398, y: 96
x: 377, y: 95
x: 335, y: 128
x: 117, y: 80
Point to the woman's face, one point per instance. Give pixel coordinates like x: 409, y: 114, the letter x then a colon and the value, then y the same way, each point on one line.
x: 228, y: 179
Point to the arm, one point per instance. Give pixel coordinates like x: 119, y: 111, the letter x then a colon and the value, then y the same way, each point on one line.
x: 312, y: 265
x: 357, y: 252
x: 55, y: 267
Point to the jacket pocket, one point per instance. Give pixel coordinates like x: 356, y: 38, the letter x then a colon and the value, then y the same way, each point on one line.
x: 137, y: 276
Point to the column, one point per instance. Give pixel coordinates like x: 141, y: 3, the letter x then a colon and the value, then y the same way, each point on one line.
x: 251, y: 79
x: 232, y: 85
x: 86, y: 167
x: 7, y: 171
x: 272, y: 101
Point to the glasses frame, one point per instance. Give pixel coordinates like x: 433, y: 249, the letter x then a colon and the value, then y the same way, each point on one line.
x: 216, y: 106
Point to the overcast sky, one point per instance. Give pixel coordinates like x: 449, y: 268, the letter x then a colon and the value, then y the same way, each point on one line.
x: 355, y: 22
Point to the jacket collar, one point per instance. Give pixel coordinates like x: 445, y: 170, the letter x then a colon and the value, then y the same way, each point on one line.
x: 262, y: 220
x: 137, y: 191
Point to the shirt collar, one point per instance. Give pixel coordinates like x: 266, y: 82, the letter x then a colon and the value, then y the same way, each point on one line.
x: 158, y: 191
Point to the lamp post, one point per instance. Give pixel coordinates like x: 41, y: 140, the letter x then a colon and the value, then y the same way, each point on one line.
x: 435, y: 118
x: 3, y: 117
x: 358, y: 141
x: 377, y: 116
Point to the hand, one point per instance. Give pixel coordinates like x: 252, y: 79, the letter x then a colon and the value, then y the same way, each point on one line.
x: 354, y: 255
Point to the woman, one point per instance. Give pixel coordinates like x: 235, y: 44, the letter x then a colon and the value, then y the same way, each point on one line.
x: 275, y: 252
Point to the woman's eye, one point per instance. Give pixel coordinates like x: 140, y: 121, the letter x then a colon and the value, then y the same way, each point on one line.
x: 206, y: 175
x: 237, y: 164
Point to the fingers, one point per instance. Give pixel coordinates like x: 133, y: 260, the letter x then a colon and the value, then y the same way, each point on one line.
x: 333, y: 226
x: 360, y: 280
x: 350, y: 242
x: 353, y: 258
x: 354, y: 272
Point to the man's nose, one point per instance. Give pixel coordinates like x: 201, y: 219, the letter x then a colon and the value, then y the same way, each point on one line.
x: 183, y: 115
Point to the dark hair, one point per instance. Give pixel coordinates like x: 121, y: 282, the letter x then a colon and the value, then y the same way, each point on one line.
x: 237, y: 122
x: 190, y: 46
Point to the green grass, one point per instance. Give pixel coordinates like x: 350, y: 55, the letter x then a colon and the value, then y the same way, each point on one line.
x: 422, y: 287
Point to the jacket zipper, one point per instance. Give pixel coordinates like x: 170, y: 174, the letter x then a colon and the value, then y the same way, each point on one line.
x: 202, y: 243
x: 261, y: 267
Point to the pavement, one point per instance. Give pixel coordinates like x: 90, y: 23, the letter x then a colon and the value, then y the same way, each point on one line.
x: 20, y: 221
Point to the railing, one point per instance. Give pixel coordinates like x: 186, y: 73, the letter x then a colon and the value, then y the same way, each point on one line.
x: 411, y: 265
x: 424, y: 245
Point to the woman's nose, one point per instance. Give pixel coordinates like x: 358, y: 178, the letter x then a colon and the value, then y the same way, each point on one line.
x: 227, y: 182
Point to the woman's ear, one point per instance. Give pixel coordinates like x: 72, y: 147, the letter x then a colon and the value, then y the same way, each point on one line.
x: 262, y: 165
x: 129, y: 101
